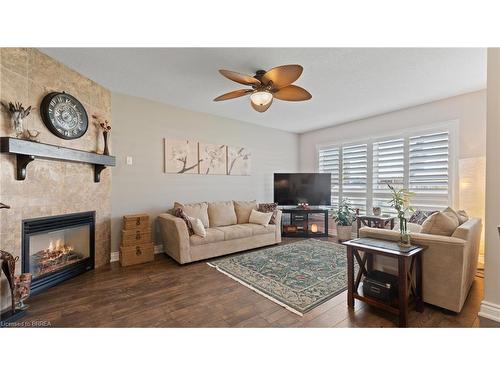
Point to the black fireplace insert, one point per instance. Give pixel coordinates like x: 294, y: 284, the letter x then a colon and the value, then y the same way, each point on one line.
x: 57, y: 248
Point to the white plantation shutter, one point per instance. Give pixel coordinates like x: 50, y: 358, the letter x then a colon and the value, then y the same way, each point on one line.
x: 329, y: 162
x: 388, y: 168
x: 418, y: 162
x: 429, y: 170
x: 355, y: 175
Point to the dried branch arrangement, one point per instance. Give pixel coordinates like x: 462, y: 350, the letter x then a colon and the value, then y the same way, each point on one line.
x: 17, y: 114
x: 16, y: 107
x: 101, y: 122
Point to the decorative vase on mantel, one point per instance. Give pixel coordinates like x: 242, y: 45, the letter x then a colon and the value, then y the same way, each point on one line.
x: 106, y: 148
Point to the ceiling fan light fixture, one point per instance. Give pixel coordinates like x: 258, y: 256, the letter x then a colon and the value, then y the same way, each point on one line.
x: 261, y: 98
x: 276, y: 83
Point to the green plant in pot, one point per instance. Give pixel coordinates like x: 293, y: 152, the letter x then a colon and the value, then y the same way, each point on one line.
x: 400, y: 201
x: 344, y: 217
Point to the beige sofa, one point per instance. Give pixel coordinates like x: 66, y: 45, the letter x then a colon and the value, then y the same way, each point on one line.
x: 449, y: 263
x: 228, y: 231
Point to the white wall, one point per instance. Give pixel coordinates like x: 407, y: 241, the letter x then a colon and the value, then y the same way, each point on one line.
x: 490, y: 307
x: 469, y: 109
x: 141, y: 126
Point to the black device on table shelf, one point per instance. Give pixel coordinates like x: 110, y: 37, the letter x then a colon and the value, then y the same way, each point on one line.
x: 380, y: 285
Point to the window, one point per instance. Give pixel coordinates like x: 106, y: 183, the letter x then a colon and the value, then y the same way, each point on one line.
x: 354, y: 175
x: 429, y: 177
x: 361, y: 171
x: 388, y: 168
x: 329, y: 160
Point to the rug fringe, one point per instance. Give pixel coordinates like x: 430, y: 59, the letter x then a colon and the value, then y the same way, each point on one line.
x: 257, y: 290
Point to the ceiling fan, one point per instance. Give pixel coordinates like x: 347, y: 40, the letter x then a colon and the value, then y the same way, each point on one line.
x: 275, y: 83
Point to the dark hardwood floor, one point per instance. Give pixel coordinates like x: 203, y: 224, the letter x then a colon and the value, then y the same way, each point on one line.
x: 165, y: 294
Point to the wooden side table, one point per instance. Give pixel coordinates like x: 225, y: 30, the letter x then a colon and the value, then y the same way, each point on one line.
x: 373, y: 221
x: 409, y: 274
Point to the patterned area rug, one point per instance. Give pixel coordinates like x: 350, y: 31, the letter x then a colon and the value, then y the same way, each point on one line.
x: 298, y: 276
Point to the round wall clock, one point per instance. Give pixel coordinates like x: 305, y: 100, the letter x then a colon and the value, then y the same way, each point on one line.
x: 64, y: 115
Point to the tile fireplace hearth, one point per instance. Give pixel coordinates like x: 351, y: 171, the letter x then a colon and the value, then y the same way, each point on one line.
x: 57, y: 248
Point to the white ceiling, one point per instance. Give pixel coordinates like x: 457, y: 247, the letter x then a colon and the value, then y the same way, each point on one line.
x: 346, y: 84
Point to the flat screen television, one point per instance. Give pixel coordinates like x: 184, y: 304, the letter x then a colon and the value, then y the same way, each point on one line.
x: 294, y: 188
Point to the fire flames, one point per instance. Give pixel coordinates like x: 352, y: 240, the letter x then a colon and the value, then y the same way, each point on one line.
x: 56, y: 251
x: 56, y: 255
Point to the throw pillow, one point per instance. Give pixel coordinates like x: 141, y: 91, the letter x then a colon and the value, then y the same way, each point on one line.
x: 197, y: 226
x: 261, y: 218
x: 199, y: 210
x: 440, y: 223
x: 179, y: 213
x: 221, y: 213
x: 269, y: 207
x: 462, y: 216
x: 418, y: 217
x: 243, y: 210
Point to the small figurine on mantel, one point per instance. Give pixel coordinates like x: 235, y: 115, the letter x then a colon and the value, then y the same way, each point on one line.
x: 17, y: 114
x: 104, y: 125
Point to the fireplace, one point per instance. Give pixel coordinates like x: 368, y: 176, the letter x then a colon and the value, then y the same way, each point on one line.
x: 56, y: 248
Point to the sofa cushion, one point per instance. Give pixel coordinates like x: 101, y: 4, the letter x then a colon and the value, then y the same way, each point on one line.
x: 261, y: 218
x: 198, y: 210
x: 440, y: 223
x: 221, y: 213
x: 197, y: 226
x: 418, y: 217
x: 179, y: 213
x: 213, y: 235
x: 243, y: 210
x: 269, y: 207
x: 233, y: 232
x: 260, y: 229
x: 461, y: 215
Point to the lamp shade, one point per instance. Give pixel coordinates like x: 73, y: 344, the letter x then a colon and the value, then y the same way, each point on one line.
x: 261, y: 100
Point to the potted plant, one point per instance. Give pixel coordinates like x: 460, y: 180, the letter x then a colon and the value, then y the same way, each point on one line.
x: 344, y: 217
x: 401, y: 203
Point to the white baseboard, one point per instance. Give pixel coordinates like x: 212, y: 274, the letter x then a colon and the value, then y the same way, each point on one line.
x: 490, y: 311
x: 115, y: 256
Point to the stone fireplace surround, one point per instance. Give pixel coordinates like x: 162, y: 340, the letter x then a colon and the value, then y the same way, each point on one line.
x: 51, y: 187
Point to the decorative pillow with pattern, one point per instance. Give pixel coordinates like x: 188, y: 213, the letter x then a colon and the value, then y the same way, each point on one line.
x: 419, y: 217
x: 269, y: 207
x: 180, y: 213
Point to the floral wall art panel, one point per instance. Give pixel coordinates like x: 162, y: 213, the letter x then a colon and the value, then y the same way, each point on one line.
x: 181, y: 156
x: 238, y: 161
x: 212, y: 158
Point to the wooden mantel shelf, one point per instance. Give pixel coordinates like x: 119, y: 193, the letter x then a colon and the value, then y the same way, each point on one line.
x: 27, y: 151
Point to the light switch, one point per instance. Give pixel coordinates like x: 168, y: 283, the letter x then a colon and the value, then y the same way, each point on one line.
x: 129, y: 160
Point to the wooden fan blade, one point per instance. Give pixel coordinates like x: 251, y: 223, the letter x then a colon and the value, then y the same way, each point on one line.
x: 292, y: 93
x: 233, y: 94
x: 282, y: 76
x: 261, y: 108
x: 240, y: 78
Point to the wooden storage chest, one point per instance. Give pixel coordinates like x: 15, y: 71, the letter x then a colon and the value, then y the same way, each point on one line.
x: 137, y: 254
x: 136, y: 244
x: 139, y: 221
